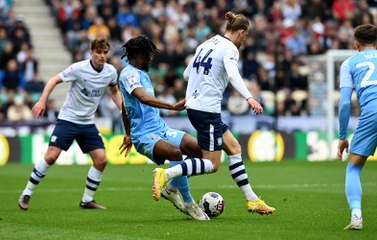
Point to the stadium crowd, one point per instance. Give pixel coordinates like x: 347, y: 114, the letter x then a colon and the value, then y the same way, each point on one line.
x: 283, y: 33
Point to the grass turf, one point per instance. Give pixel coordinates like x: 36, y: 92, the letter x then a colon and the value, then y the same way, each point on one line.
x: 309, y: 198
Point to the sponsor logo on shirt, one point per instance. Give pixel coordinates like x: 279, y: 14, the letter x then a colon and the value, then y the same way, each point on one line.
x: 195, y: 94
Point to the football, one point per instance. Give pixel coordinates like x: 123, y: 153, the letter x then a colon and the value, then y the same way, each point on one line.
x: 212, y: 203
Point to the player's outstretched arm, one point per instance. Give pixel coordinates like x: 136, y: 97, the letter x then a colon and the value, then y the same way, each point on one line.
x: 40, y: 106
x: 149, y: 100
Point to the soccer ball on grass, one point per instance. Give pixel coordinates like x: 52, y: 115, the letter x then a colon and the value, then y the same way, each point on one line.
x: 212, y: 203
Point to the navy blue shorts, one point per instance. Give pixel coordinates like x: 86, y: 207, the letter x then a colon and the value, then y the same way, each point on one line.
x: 86, y: 136
x: 210, y: 128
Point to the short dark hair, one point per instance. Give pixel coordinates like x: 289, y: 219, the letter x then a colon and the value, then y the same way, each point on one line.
x: 139, y: 45
x: 100, y: 43
x: 366, y: 34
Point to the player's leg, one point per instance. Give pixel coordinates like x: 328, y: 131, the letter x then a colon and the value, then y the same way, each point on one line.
x: 164, y: 149
x: 238, y: 172
x: 91, y: 142
x: 61, y: 139
x: 167, y: 150
x: 188, y: 167
x: 209, y: 128
x: 353, y: 190
x: 362, y: 145
x: 39, y: 172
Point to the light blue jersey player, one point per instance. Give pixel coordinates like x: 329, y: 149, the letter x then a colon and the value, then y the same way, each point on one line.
x: 359, y: 72
x: 148, y: 132
x: 147, y: 127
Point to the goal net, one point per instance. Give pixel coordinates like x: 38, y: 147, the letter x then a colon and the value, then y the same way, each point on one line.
x: 323, y: 78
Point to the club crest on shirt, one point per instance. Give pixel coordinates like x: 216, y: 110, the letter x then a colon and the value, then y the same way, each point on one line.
x: 132, y: 80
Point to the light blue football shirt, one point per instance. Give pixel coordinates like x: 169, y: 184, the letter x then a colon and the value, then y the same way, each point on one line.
x: 359, y: 72
x: 142, y: 118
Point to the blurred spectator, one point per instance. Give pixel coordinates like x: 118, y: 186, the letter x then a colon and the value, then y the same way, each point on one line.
x: 363, y: 14
x: 19, y: 34
x: 98, y: 28
x: 291, y: 9
x: 296, y: 42
x: 115, y: 30
x: 180, y: 18
x: 19, y: 111
x: 237, y: 104
x: 36, y: 85
x: 50, y: 113
x: 7, y: 55
x: 345, y: 35
x: 29, y: 66
x: 179, y: 89
x: 296, y: 79
x: 3, y: 39
x: 13, y: 79
x: 250, y: 65
x: 3, y: 114
x: 343, y: 9
x: 314, y: 9
x: 5, y: 5
x: 126, y: 17
x: 167, y: 96
x: 107, y: 9
x: 264, y: 80
x: 202, y: 31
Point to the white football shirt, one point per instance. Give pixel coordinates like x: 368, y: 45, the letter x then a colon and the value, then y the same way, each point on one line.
x: 206, y: 74
x: 86, y: 89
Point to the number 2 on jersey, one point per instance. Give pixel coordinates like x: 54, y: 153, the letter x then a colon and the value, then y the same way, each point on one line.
x: 203, y: 61
x: 366, y: 79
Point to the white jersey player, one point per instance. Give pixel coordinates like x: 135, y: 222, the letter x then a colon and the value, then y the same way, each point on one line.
x: 88, y: 80
x: 208, y: 73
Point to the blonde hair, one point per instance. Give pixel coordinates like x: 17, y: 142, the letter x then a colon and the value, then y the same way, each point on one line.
x: 236, y: 22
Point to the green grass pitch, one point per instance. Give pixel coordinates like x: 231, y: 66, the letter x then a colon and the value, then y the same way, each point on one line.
x: 309, y: 198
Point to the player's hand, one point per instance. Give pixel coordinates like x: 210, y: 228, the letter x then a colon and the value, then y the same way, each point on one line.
x: 126, y: 145
x: 180, y: 105
x: 342, y: 145
x: 255, y: 106
x: 38, y: 109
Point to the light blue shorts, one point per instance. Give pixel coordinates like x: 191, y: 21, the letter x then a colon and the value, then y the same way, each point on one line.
x: 364, y: 141
x: 145, y: 143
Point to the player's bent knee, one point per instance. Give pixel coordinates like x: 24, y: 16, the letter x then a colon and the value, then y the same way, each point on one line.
x: 176, y: 154
x: 100, y: 163
x: 50, y: 159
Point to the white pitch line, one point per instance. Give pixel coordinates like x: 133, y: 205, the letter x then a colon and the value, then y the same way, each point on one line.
x: 228, y: 186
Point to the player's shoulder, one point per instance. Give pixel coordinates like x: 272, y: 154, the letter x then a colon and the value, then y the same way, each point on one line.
x: 110, y: 67
x: 80, y: 64
x: 130, y: 71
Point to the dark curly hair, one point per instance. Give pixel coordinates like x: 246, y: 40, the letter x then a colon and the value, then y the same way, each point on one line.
x: 139, y: 45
